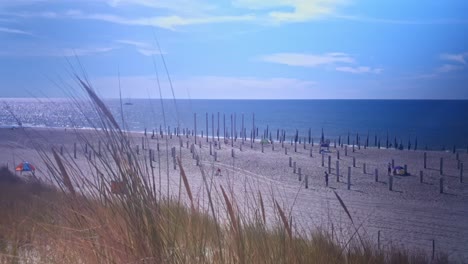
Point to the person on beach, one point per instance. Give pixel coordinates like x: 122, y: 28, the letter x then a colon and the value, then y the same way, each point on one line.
x: 326, y: 178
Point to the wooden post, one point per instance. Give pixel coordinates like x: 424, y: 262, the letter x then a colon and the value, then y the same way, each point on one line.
x: 290, y: 162
x: 262, y: 146
x: 433, y: 249
x: 441, y: 185
x: 323, y: 160
x: 307, y: 181
x: 174, y: 158
x: 217, y: 130
x: 310, y: 153
x: 337, y: 171
x: 329, y: 164
x: 354, y: 162
x: 349, y: 178
x: 393, y: 163
x: 338, y: 154
x: 441, y: 169
x: 197, y: 158
x: 421, y: 176
x: 461, y: 172
x: 61, y: 150
x: 240, y: 146
x: 212, y: 127
x: 300, y: 174
x: 195, y: 125
x: 378, y: 240
x: 346, y: 150
x: 376, y: 173
x: 425, y: 160
x: 286, y: 151
x: 294, y: 167
x: 295, y: 146
x: 406, y: 169
x: 216, y: 156
x: 232, y: 153
x: 390, y: 182
x: 211, y: 148
x: 86, y: 148
x: 142, y: 143
x: 364, y: 168
x: 74, y: 150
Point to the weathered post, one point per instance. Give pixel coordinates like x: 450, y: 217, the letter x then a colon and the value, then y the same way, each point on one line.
x: 406, y: 169
x: 290, y: 162
x: 211, y: 148
x: 441, y: 169
x: 61, y: 150
x: 461, y: 172
x: 262, y: 146
x: 295, y: 146
x: 212, y: 127
x: 216, y: 156
x: 300, y: 174
x: 74, y: 150
x: 349, y: 178
x: 323, y: 160
x: 240, y: 146
x: 294, y: 167
x: 421, y: 176
x: 232, y: 153
x: 354, y: 162
x: 86, y: 148
x: 364, y: 168
x: 174, y: 158
x: 337, y: 171
x: 346, y: 150
x: 376, y: 173
x: 329, y: 164
x: 138, y: 149
x: 378, y: 240
x: 433, y: 249
x: 307, y: 181
x: 310, y: 153
x: 142, y: 143
x: 338, y: 154
x: 425, y: 160
x: 390, y: 182
x: 195, y: 126
x: 441, y: 185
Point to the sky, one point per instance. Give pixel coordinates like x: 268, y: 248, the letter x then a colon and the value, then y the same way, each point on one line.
x: 236, y: 49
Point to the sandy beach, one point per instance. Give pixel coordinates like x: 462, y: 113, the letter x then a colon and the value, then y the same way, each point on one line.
x: 411, y: 215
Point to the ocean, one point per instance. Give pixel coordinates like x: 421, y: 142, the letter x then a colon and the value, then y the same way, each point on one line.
x: 435, y: 124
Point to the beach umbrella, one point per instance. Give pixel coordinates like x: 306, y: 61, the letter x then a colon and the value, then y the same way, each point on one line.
x: 25, y: 166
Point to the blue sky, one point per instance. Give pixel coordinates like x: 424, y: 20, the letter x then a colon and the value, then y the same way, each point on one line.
x: 238, y: 49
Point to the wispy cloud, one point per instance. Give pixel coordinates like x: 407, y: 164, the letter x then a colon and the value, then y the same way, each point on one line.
x: 209, y: 87
x: 307, y: 60
x: 457, y: 57
x: 400, y: 21
x: 15, y: 31
x: 142, y: 47
x: 358, y: 70
x: 59, y: 52
x: 337, y: 59
x: 449, y: 68
x: 284, y: 11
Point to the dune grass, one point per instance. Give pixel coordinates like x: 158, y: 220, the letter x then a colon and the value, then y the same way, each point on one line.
x: 74, y: 218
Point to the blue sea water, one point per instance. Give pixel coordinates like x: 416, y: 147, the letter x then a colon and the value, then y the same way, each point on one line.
x: 434, y: 123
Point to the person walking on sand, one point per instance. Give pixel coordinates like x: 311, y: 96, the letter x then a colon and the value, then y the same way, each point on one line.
x: 326, y: 178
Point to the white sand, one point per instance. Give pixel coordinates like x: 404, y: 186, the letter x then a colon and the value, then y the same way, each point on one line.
x: 411, y: 215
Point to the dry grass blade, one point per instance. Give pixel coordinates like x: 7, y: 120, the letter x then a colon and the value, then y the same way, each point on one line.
x: 63, y: 171
x: 230, y: 210
x: 186, y: 183
x: 344, y: 206
x: 262, y: 206
x: 284, y: 219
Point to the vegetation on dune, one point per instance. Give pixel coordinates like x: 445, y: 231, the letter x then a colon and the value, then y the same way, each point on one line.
x: 76, y: 219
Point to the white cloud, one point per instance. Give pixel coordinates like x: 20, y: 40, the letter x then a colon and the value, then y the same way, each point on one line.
x: 14, y: 31
x: 449, y: 68
x: 360, y: 69
x: 142, y: 47
x: 307, y: 60
x: 459, y: 58
x: 279, y: 11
